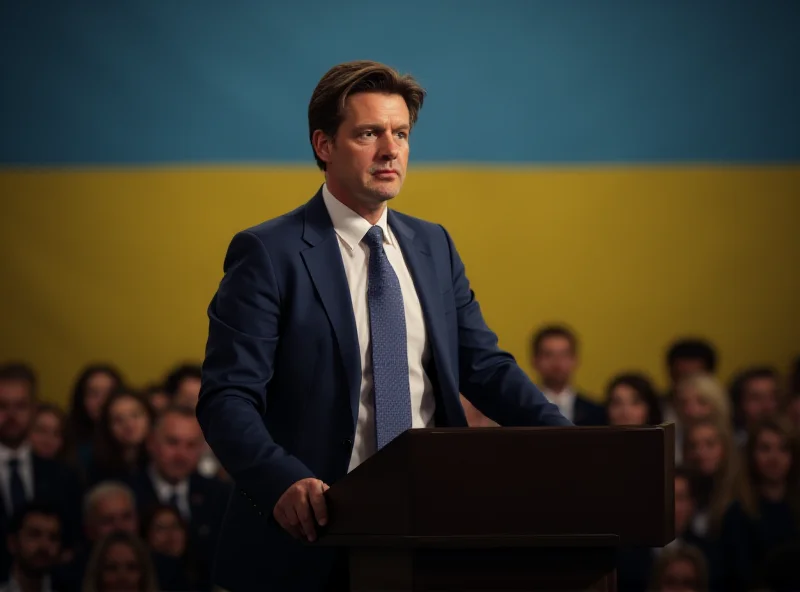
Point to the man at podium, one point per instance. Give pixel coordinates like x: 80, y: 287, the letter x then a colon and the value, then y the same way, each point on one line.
x: 335, y: 328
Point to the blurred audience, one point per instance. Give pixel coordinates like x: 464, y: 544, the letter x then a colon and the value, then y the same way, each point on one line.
x: 631, y: 400
x: 120, y: 439
x: 74, y: 486
x: 555, y: 359
x: 34, y: 547
x: 120, y: 562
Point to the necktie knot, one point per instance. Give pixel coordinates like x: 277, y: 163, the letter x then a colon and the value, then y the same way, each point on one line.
x: 374, y: 238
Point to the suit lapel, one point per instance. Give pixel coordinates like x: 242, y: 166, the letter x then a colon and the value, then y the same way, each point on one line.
x: 417, y: 255
x: 324, y: 263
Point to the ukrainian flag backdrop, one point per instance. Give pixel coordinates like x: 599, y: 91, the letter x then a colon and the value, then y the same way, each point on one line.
x: 632, y: 168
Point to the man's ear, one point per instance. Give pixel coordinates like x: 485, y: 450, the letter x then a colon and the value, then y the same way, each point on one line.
x: 323, y: 145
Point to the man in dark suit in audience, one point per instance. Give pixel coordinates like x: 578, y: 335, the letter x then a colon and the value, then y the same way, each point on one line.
x: 337, y: 327
x: 555, y: 358
x: 25, y: 477
x: 175, y: 446
x: 34, y: 546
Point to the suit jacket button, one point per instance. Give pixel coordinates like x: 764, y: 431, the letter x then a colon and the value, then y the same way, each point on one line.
x: 347, y: 442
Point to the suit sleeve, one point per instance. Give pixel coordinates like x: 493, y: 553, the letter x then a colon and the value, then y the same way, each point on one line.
x: 243, y: 334
x: 489, y: 377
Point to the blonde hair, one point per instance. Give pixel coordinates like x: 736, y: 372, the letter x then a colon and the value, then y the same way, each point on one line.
x: 726, y: 478
x: 710, y: 390
x: 94, y: 570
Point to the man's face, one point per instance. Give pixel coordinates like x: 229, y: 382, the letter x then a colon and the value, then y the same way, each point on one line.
x: 176, y: 447
x: 16, y: 412
x: 188, y: 392
x: 37, y: 545
x: 684, y: 505
x: 555, y: 361
x: 759, y: 399
x: 684, y: 367
x: 114, y: 512
x: 366, y: 162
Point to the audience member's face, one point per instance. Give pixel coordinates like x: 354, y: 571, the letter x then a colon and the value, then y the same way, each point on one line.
x: 188, y: 392
x: 46, y: 435
x: 98, y: 387
x: 772, y: 457
x: 759, y: 399
x: 36, y: 548
x: 706, y: 451
x: 16, y: 412
x: 176, y: 446
x: 166, y: 535
x: 684, y: 505
x: 129, y: 421
x: 120, y: 569
x: 685, y: 367
x: 690, y: 404
x: 555, y: 361
x: 112, y: 513
x: 159, y: 400
x: 625, y: 407
x: 680, y: 576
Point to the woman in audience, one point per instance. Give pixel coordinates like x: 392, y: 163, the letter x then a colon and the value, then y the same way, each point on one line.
x: 120, y: 563
x: 766, y: 514
x: 631, y: 400
x: 698, y: 396
x: 91, y: 390
x: 682, y: 569
x: 120, y: 448
x: 166, y: 534
x: 50, y: 434
x: 158, y: 397
x: 711, y: 453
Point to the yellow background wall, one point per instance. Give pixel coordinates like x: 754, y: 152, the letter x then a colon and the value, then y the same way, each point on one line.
x: 120, y: 264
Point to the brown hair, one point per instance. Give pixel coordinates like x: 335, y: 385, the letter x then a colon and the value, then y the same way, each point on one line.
x: 67, y: 453
x: 327, y: 105
x: 686, y: 553
x: 92, y: 580
x: 750, y: 482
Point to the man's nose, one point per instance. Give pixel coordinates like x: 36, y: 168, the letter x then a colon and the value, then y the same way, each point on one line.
x: 389, y: 147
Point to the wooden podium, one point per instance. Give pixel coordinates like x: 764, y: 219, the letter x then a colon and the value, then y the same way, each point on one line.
x: 504, y: 508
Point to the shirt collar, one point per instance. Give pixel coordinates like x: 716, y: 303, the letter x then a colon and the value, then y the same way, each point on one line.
x: 23, y: 453
x: 349, y: 226
x: 565, y: 396
x: 163, y: 488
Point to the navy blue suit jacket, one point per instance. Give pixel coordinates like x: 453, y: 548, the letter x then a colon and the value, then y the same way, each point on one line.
x: 282, y: 375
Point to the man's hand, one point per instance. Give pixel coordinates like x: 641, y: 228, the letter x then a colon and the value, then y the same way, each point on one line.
x: 300, y: 507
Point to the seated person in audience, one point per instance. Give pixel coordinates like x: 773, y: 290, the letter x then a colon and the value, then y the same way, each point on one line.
x: 711, y: 453
x: 175, y: 446
x: 555, y: 358
x: 108, y: 507
x: 686, y: 357
x: 158, y: 397
x: 682, y: 569
x: 183, y: 386
x: 766, y: 514
x: 49, y: 435
x: 698, y: 397
x: 121, y: 449
x: 631, y: 400
x: 755, y: 395
x: 167, y: 535
x: 93, y: 387
x: 120, y: 562
x: 34, y: 546
x: 635, y: 564
x: 24, y: 476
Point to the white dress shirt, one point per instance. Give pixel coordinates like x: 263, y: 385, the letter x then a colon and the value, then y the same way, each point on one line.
x: 565, y: 401
x: 350, y: 229
x: 165, y: 491
x: 23, y: 455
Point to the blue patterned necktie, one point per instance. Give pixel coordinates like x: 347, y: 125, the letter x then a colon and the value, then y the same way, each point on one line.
x: 387, y: 321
